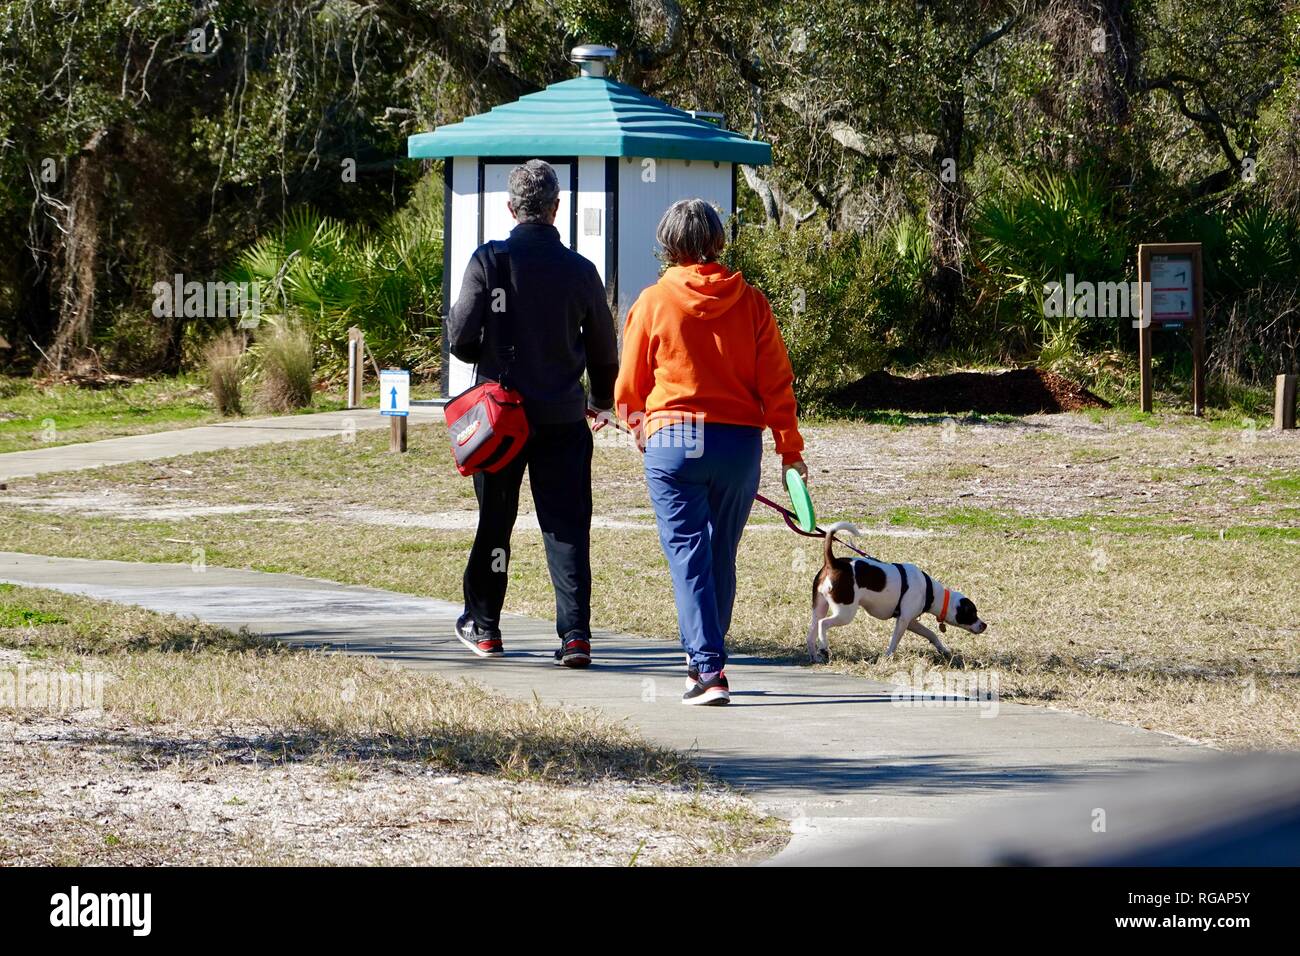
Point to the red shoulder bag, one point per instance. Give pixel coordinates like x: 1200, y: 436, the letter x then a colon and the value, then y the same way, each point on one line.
x: 486, y: 423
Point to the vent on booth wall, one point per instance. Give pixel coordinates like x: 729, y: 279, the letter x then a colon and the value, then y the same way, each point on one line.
x: 717, y: 119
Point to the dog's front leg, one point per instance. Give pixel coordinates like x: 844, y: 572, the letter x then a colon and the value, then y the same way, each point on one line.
x: 916, y: 627
x: 899, y: 627
x: 822, y: 651
x: 840, y: 615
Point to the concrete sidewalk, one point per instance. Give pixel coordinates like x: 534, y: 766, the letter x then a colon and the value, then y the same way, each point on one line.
x: 187, y: 441
x: 840, y: 757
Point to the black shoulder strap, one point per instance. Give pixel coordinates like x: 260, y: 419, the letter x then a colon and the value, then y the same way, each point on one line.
x: 929, y: 592
x: 902, y: 577
x: 499, y: 256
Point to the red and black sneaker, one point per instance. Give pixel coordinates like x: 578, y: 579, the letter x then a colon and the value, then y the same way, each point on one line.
x: 574, y: 652
x: 482, y: 643
x: 708, y: 690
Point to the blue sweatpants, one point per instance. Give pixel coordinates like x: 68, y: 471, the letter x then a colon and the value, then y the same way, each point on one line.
x: 702, y: 479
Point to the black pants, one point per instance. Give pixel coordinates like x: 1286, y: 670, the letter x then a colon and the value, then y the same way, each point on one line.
x: 558, y: 459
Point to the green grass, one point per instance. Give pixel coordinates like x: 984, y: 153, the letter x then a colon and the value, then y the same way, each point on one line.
x: 824, y: 414
x: 12, y: 615
x: 1154, y: 527
x: 1164, y: 414
x: 44, y: 415
x: 38, y: 416
x: 1287, y: 485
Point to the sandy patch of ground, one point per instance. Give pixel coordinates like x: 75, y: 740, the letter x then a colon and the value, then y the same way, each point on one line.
x: 111, y: 503
x: 122, y: 796
x: 126, y: 505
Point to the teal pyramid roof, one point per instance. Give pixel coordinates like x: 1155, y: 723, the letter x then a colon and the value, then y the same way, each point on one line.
x: 588, y: 116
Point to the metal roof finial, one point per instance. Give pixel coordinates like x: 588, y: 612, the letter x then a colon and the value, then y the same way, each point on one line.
x: 593, y: 59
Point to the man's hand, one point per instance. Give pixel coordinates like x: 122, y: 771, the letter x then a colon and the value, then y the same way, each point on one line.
x: 800, y: 468
x: 600, y: 416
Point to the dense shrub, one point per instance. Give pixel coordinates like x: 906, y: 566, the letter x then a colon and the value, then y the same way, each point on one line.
x: 1041, y: 228
x: 1034, y: 229
x: 329, y: 276
x: 842, y: 302
x: 132, y: 341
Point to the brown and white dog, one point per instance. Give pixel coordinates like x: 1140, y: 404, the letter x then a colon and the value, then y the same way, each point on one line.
x: 901, y: 591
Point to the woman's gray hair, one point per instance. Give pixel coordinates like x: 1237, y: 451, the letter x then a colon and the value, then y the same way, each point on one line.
x: 534, y: 189
x: 691, y: 231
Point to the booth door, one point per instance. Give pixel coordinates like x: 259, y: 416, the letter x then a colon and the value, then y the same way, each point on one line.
x: 497, y: 221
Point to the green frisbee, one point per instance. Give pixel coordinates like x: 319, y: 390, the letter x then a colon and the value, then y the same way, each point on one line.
x: 802, y: 501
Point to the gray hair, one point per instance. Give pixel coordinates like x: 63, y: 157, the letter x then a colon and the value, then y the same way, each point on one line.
x: 534, y: 189
x: 691, y: 231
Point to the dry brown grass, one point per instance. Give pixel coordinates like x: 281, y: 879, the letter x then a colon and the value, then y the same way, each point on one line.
x: 271, y: 755
x: 224, y: 358
x: 1140, y: 573
x: 284, y: 369
x: 71, y: 801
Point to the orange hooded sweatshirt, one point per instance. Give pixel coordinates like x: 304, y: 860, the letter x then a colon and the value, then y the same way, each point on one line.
x: 702, y: 341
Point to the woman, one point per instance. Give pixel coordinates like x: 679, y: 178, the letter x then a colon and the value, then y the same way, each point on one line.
x: 704, y: 371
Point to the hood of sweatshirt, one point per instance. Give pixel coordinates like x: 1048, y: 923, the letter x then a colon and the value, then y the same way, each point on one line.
x: 703, y: 290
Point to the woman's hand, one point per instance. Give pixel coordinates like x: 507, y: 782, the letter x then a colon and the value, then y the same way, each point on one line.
x: 799, y: 468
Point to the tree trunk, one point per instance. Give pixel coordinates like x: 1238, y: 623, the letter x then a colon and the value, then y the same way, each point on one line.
x: 174, y: 346
x: 771, y: 208
x: 76, y: 255
x: 946, y: 219
x: 1120, y: 71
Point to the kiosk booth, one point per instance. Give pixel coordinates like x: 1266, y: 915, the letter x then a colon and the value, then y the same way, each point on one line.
x: 622, y: 158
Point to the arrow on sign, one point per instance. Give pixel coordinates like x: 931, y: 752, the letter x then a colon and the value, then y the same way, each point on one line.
x: 394, y: 394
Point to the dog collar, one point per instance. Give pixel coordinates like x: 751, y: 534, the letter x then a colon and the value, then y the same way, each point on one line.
x: 943, y: 611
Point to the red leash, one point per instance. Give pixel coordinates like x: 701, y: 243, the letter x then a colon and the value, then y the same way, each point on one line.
x: 791, y: 520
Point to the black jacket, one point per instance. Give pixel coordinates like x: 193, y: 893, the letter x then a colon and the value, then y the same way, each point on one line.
x: 559, y: 319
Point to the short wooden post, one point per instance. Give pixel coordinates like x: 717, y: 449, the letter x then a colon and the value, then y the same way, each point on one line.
x: 1284, y: 402
x: 1198, y: 369
x: 397, y: 433
x: 1144, y: 363
x: 356, y: 365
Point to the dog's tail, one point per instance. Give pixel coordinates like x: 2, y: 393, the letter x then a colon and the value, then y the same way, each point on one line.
x: 846, y: 526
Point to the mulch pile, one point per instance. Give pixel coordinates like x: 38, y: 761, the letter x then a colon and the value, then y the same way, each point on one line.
x: 1021, y: 391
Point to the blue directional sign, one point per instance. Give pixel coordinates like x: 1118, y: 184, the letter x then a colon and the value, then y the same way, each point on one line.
x: 394, y: 391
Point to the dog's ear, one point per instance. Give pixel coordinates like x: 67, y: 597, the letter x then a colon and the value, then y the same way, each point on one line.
x: 967, y: 614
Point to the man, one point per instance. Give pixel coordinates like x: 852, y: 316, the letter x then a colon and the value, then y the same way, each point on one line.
x: 559, y: 326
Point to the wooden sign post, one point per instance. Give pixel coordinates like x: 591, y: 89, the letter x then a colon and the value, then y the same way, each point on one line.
x: 397, y: 433
x: 395, y: 403
x: 1169, y: 275
x: 1284, y: 403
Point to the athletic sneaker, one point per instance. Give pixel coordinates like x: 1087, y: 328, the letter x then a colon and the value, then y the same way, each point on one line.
x: 708, y: 691
x: 482, y: 643
x: 574, y: 652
